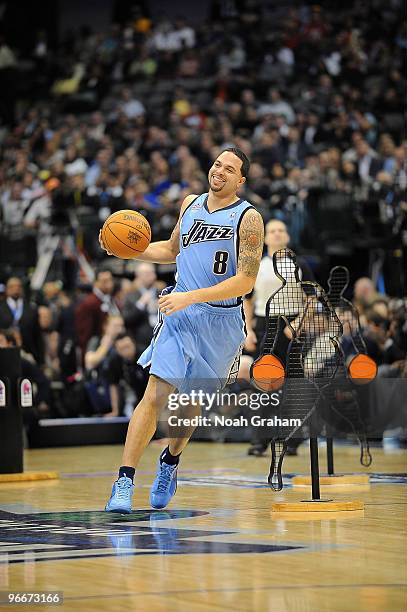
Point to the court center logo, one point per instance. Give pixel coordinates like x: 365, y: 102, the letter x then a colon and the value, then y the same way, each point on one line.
x: 52, y: 536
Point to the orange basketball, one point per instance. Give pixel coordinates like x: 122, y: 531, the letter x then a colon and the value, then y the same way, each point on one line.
x: 362, y: 369
x: 126, y: 234
x: 267, y: 373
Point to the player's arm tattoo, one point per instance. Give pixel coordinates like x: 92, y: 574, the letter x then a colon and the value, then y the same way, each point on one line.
x: 251, y: 243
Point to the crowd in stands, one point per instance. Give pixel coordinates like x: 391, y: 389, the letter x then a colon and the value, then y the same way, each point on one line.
x: 133, y: 117
x: 89, y: 344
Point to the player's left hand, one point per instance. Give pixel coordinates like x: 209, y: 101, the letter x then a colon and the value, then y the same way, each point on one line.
x: 168, y: 304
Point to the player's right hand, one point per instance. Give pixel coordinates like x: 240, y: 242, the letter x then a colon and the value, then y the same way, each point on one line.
x: 102, y: 244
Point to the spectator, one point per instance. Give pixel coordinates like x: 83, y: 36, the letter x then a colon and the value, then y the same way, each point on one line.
x: 96, y: 356
x: 277, y: 106
x: 18, y: 313
x: 38, y: 215
x: 141, y: 305
x: 375, y: 335
x: 364, y: 294
x: 131, y: 107
x: 368, y: 162
x: 65, y: 327
x: 122, y: 367
x: 99, y: 347
x: 42, y: 387
x: 91, y: 313
x: 13, y: 209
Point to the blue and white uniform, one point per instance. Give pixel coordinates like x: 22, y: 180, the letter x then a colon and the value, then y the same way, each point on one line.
x: 199, y: 347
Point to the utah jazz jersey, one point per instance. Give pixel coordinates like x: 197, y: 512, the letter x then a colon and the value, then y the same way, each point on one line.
x: 209, y: 246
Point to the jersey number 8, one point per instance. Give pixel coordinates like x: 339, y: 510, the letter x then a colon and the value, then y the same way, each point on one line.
x: 220, y: 263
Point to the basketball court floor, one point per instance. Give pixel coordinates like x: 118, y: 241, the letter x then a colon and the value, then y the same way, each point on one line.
x: 217, y: 546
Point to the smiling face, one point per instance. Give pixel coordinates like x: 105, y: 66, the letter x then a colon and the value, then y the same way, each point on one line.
x: 225, y: 176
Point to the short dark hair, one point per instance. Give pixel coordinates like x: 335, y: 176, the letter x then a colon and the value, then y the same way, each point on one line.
x: 242, y: 156
x: 102, y: 270
x: 125, y: 334
x: 9, y: 336
x: 377, y: 319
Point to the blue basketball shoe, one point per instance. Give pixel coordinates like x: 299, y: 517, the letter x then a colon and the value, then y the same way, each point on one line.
x: 120, y: 500
x: 164, y: 485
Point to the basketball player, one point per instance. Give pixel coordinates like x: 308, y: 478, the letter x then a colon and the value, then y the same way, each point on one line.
x: 217, y: 245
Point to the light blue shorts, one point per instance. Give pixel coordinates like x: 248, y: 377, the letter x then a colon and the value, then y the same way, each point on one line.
x: 197, y: 348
